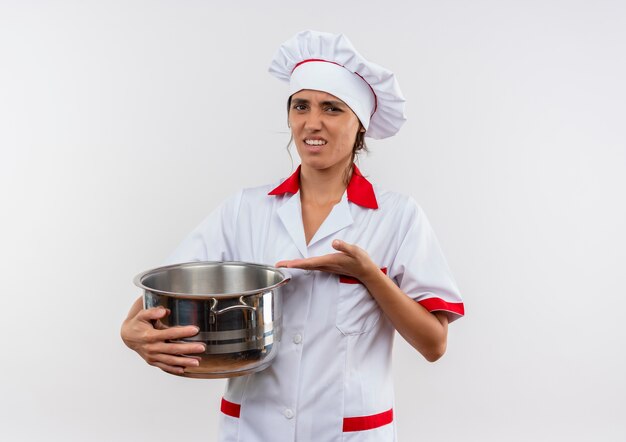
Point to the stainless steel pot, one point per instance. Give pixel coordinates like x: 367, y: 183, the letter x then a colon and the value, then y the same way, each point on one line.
x: 236, y: 305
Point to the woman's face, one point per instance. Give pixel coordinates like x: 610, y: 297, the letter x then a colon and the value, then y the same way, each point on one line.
x: 324, y: 129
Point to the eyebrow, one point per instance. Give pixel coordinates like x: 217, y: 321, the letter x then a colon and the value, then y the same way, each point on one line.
x: 323, y: 103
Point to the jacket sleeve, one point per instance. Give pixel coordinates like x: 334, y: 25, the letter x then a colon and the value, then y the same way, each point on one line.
x: 419, y: 267
x: 214, y: 239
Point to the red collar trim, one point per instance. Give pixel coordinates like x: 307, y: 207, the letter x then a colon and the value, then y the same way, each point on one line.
x: 360, y: 191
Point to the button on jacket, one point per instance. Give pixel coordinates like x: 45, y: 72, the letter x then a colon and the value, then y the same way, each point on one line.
x: 331, y: 379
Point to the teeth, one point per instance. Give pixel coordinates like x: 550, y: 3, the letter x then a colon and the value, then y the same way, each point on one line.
x: 315, y: 142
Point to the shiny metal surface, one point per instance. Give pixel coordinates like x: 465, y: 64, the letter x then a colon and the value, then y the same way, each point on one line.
x: 236, y: 305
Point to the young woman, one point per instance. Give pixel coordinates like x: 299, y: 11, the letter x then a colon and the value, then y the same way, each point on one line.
x: 364, y: 263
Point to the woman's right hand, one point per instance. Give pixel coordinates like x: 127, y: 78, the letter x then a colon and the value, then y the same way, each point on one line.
x: 152, y: 344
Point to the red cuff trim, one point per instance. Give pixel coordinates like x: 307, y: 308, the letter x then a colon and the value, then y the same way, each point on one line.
x: 350, y: 280
x: 362, y: 423
x: 230, y: 408
x: 437, y: 304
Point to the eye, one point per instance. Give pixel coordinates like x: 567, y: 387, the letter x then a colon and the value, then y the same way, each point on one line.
x: 332, y: 109
x: 299, y: 107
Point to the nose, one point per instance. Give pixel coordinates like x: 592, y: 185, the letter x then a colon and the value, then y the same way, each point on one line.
x: 313, y: 121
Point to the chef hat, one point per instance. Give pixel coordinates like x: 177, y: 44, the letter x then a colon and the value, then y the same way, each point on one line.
x: 329, y: 63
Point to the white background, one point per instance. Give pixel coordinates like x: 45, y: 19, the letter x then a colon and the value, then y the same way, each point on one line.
x: 123, y: 123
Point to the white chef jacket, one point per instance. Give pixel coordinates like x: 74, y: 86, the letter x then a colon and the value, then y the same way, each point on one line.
x: 331, y: 379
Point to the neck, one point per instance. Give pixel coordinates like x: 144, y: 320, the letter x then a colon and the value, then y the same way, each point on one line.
x: 322, y: 186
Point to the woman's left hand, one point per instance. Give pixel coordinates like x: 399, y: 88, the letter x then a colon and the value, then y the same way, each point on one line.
x: 350, y: 261
x: 426, y: 332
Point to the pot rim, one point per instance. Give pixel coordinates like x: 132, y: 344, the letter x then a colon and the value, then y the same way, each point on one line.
x: 138, y: 280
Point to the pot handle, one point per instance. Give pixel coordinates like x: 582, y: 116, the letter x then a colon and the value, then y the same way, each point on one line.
x: 241, y: 306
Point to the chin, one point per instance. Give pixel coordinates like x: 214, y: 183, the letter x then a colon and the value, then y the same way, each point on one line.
x: 315, y: 163
x: 320, y: 161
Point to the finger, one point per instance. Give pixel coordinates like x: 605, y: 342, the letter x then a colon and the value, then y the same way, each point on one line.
x: 176, y: 348
x: 333, y: 262
x: 152, y: 314
x: 293, y: 263
x: 158, y: 324
x: 344, y: 247
x: 169, y: 368
x: 314, y: 263
x: 179, y: 361
x: 174, y: 333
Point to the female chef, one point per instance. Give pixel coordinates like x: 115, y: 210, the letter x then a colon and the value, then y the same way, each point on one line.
x: 364, y: 263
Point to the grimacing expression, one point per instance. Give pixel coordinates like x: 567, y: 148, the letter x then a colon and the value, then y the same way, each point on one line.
x: 324, y: 128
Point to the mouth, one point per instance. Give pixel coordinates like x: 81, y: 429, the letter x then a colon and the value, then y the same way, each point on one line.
x: 314, y: 142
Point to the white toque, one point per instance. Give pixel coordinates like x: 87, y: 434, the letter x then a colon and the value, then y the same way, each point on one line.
x: 329, y: 63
